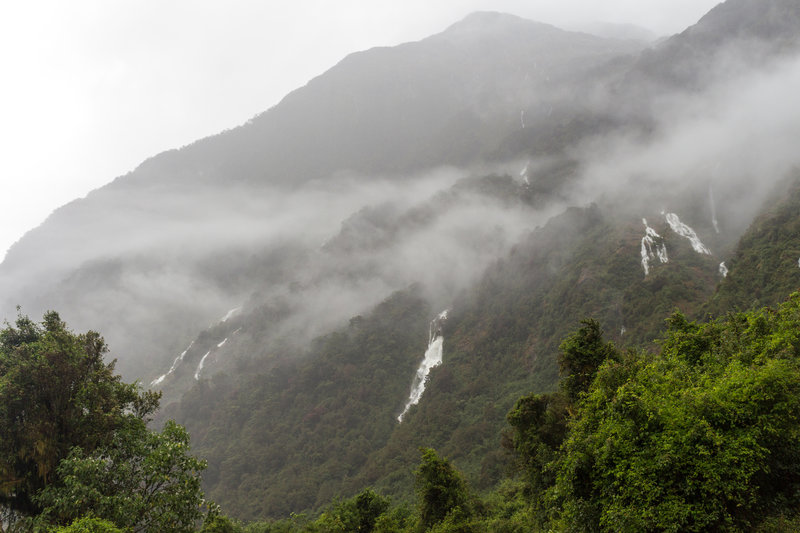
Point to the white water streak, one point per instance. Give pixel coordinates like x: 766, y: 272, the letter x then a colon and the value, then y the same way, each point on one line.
x: 160, y: 379
x: 713, y: 208
x: 230, y: 314
x: 651, y: 249
x: 723, y: 270
x: 200, y: 366
x: 432, y: 358
x: 524, y: 173
x: 685, y: 231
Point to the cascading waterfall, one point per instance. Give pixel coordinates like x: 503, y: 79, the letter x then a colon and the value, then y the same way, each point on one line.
x: 723, y: 270
x: 713, y: 208
x: 230, y: 314
x: 432, y: 358
x: 160, y: 379
x: 177, y: 360
x: 203, y: 360
x: 200, y: 366
x: 524, y: 173
x: 652, y: 247
x: 653, y: 244
x: 685, y: 231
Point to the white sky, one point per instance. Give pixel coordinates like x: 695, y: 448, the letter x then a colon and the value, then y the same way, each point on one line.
x: 91, y: 88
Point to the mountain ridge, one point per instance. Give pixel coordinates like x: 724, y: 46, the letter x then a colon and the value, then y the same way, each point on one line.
x: 279, y: 280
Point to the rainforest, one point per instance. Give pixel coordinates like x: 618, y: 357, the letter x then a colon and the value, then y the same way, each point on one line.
x: 506, y: 277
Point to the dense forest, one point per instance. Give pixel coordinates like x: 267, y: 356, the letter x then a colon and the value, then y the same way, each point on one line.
x: 505, y: 278
x: 700, y: 435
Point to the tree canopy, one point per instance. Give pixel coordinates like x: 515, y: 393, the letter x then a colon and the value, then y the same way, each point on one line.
x: 74, y: 439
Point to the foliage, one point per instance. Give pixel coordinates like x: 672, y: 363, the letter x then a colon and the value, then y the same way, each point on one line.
x: 441, y: 491
x: 56, y: 393
x: 89, y: 524
x: 539, y: 424
x: 321, y: 424
x: 75, y: 449
x: 702, y: 437
x: 305, y: 428
x: 764, y: 268
x: 357, y: 515
x: 581, y: 354
x: 219, y: 524
x: 143, y: 481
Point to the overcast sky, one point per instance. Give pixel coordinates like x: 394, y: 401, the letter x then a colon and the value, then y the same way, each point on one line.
x: 91, y: 88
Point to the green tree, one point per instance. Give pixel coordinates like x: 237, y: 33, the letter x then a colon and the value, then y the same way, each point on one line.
x: 539, y: 424
x: 56, y: 393
x: 703, y: 436
x: 581, y: 354
x: 356, y: 515
x: 219, y: 524
x: 441, y: 490
x: 144, y: 481
x: 89, y: 525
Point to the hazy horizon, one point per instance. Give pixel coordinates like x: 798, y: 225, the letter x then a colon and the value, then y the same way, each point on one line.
x: 98, y: 89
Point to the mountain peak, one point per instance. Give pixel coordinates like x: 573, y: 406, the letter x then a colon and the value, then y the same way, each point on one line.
x: 760, y: 19
x: 478, y: 19
x: 490, y: 21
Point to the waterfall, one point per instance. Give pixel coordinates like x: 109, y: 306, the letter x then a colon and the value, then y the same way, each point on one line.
x: 200, y: 366
x: 651, y: 249
x: 524, y: 173
x: 177, y: 360
x: 713, y: 208
x: 685, y: 231
x: 432, y: 358
x: 230, y: 314
x: 723, y: 270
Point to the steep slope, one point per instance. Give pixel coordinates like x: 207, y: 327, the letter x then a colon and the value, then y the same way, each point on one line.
x: 733, y: 38
x: 441, y: 244
x: 173, y: 233
x: 499, y: 341
x: 319, y: 280
x: 735, y: 35
x: 765, y: 268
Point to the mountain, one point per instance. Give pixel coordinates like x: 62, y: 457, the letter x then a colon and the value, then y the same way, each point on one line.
x: 390, y: 257
x: 181, y: 230
x: 734, y: 36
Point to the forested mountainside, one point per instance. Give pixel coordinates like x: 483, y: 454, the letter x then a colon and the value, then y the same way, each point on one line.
x: 500, y: 340
x: 390, y: 258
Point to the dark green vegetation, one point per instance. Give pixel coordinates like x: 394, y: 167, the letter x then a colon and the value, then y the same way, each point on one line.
x: 703, y: 435
x: 307, y: 425
x: 304, y: 220
x: 74, y: 441
x: 697, y: 434
x: 323, y: 425
x: 500, y: 344
x: 766, y: 264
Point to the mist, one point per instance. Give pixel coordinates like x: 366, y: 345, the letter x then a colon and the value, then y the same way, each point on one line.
x: 164, y: 265
x: 158, y: 256
x: 727, y: 146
